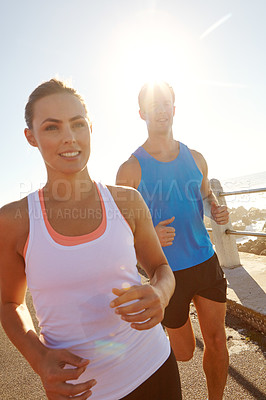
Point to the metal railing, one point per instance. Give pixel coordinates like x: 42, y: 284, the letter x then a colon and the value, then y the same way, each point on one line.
x: 242, y: 192
x: 242, y: 233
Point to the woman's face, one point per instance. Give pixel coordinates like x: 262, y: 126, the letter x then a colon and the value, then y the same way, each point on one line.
x: 61, y: 131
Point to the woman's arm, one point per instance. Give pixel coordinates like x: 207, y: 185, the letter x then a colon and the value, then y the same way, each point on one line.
x: 16, y: 319
x: 154, y: 297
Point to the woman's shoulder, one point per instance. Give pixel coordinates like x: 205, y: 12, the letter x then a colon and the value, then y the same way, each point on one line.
x: 11, y: 210
x: 124, y: 194
x: 130, y: 203
x: 14, y: 220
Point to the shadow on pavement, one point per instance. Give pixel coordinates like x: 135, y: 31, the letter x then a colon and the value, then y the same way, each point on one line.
x: 246, y: 288
x: 238, y: 377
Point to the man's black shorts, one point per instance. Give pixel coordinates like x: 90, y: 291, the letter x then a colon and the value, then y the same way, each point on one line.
x: 205, y: 279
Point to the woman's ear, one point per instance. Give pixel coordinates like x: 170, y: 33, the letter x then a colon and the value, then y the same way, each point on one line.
x: 30, y: 137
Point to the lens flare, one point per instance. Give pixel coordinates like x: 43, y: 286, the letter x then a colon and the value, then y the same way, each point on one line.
x: 125, y: 285
x: 109, y: 347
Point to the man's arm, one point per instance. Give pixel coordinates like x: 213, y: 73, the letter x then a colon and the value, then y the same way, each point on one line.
x: 129, y: 174
x: 153, y: 298
x: 212, y: 209
x: 16, y: 319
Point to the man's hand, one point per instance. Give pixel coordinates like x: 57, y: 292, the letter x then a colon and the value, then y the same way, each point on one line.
x: 54, y: 375
x: 147, y: 306
x: 219, y: 214
x: 166, y: 234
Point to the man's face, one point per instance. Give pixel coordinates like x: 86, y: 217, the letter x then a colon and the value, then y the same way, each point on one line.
x: 158, y: 110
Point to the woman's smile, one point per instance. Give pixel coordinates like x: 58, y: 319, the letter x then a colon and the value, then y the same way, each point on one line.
x: 70, y: 155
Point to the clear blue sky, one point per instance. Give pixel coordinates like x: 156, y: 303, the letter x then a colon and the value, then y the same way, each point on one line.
x: 211, y: 51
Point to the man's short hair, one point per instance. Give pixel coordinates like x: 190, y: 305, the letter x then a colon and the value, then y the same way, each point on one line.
x: 148, y: 89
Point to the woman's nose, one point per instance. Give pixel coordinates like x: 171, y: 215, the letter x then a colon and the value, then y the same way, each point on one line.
x: 69, y: 135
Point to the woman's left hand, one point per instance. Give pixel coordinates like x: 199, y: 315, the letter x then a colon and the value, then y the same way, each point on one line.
x: 147, y: 309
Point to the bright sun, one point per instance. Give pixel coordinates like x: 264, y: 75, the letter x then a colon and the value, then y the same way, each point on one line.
x: 153, y: 48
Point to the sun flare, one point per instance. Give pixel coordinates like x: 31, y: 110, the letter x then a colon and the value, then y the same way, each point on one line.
x: 155, y: 48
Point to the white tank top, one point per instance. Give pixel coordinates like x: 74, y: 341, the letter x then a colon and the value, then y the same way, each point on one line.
x: 71, y: 281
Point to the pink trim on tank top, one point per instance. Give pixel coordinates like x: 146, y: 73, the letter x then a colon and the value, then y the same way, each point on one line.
x: 26, y: 246
x: 74, y: 240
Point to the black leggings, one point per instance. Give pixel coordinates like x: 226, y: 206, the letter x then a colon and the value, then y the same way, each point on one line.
x: 164, y: 384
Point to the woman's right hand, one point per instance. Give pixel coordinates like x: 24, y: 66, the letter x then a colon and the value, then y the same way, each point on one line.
x: 54, y: 375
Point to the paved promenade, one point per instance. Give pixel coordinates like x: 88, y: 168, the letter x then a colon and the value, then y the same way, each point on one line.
x: 246, y: 290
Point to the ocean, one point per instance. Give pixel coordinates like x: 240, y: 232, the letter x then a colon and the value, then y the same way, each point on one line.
x: 254, y: 181
x: 256, y: 200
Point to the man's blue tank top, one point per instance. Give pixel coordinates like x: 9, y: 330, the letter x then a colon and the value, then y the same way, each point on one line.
x: 173, y: 189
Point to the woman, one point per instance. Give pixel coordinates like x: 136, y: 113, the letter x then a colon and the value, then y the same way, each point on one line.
x: 74, y: 243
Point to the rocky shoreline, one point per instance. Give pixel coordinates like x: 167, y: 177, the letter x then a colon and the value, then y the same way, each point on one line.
x: 257, y: 246
x: 241, y: 220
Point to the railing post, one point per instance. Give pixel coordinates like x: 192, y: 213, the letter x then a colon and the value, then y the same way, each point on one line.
x: 225, y: 245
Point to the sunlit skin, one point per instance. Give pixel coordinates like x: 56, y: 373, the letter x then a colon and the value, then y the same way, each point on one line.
x: 60, y: 125
x: 158, y: 112
x: 61, y: 132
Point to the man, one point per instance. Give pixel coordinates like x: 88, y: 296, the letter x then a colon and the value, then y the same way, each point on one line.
x: 173, y: 181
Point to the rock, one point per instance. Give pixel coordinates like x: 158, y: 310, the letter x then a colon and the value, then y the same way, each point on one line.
x: 241, y: 211
x: 262, y: 244
x: 263, y: 214
x: 247, y: 246
x: 255, y: 250
x: 239, y: 226
x: 254, y: 213
x: 257, y: 214
x: 263, y: 253
x: 237, y: 213
x: 242, y: 248
x: 257, y: 246
x: 253, y: 246
x: 246, y: 219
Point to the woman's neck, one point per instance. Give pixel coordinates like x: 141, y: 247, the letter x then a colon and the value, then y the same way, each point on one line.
x: 62, y: 187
